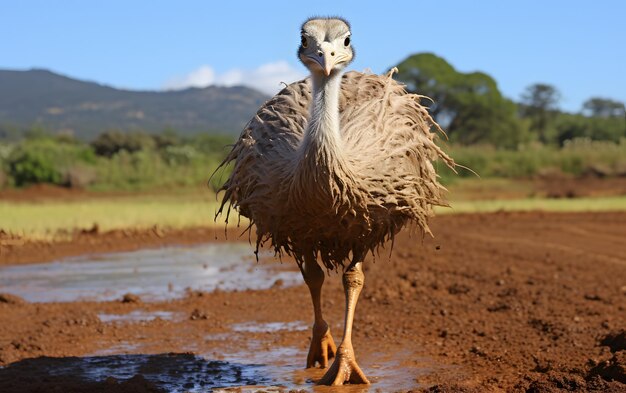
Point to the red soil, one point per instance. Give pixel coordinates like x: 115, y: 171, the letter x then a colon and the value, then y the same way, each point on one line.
x: 531, y: 302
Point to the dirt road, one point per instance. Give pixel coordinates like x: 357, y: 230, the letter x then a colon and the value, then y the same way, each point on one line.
x: 531, y: 302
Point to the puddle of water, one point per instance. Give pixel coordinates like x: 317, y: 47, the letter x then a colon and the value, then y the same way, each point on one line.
x: 153, y: 274
x: 140, y: 316
x: 170, y: 372
x: 256, y: 368
x: 284, y: 366
x: 270, y: 327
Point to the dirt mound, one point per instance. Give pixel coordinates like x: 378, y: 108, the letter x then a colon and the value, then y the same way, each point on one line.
x: 11, y: 299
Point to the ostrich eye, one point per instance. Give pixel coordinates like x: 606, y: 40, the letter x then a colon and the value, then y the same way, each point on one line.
x: 305, y: 43
x: 346, y: 42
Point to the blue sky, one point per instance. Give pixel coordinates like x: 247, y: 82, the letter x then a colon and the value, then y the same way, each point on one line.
x: 578, y: 46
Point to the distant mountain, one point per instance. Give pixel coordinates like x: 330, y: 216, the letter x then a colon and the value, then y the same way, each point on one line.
x: 85, y: 109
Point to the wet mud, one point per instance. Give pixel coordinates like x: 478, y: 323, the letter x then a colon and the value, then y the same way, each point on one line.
x: 503, y: 302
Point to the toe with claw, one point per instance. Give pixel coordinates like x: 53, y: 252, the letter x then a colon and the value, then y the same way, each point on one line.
x: 344, y: 369
x: 322, y: 346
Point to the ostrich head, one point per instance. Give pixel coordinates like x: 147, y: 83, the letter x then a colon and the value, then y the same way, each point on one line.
x: 325, y: 48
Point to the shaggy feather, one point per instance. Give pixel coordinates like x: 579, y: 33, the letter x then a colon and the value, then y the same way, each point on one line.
x: 337, y: 202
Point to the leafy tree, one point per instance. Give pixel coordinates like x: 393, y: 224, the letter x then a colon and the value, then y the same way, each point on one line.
x: 603, y: 107
x: 469, y: 106
x: 168, y: 137
x: 432, y: 76
x: 111, y: 142
x: 540, y: 104
x: 609, y: 118
x: 572, y: 126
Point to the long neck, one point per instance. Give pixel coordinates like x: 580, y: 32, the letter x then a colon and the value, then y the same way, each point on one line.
x: 322, y: 139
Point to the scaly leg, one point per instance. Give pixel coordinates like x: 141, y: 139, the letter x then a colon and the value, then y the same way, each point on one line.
x: 345, y: 368
x: 322, y: 345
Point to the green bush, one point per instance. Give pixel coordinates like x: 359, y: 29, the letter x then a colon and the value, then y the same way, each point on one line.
x: 45, y: 160
x: 212, y: 144
x: 31, y: 166
x: 577, y: 157
x: 171, y: 163
x: 180, y: 155
x: 174, y: 167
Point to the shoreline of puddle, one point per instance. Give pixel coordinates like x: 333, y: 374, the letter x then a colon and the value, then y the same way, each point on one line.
x: 152, y: 274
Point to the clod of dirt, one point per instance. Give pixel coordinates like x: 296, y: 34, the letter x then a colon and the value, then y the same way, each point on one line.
x: 11, y: 299
x: 458, y: 289
x: 158, y: 232
x: 593, y: 297
x: 278, y: 283
x: 94, y: 230
x: 478, y: 351
x: 193, y: 293
x: 130, y: 298
x: 554, y: 382
x: 615, y: 340
x: 498, y: 307
x: 197, y: 315
x: 613, y: 369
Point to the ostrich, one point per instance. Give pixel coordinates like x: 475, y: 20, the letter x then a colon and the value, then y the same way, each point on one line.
x: 332, y: 167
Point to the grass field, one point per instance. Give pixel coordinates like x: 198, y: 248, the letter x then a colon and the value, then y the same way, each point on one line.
x: 537, y: 204
x: 46, y: 219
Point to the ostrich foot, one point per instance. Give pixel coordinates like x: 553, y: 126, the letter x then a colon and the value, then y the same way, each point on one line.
x: 322, y: 346
x: 344, y: 369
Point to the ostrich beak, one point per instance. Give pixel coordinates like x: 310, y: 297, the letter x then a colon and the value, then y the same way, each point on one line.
x: 326, y: 58
x: 329, y: 63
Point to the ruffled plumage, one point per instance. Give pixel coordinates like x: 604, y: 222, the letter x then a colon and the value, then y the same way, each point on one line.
x: 339, y: 204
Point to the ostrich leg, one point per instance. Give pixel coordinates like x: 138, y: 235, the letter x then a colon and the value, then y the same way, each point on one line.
x: 344, y: 368
x: 322, y: 344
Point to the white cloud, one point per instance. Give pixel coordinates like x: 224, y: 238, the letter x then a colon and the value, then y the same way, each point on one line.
x: 267, y: 78
x: 200, y: 77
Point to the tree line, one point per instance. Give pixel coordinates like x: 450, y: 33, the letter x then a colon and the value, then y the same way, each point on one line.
x: 472, y: 110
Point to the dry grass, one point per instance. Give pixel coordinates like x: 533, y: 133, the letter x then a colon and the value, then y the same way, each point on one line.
x: 47, y: 219
x: 617, y: 203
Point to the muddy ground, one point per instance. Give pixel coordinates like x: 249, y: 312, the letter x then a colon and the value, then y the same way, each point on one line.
x: 513, y: 302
